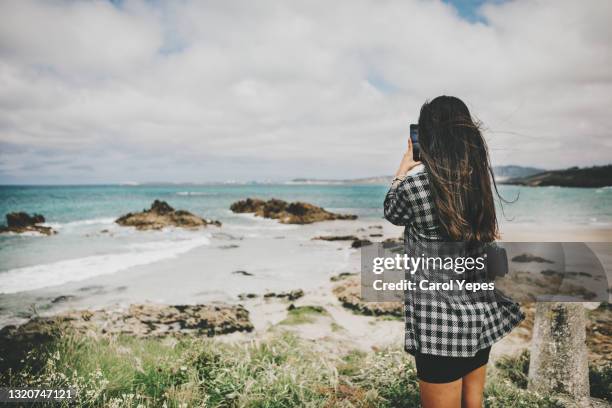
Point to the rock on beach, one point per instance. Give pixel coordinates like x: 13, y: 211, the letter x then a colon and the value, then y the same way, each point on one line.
x: 287, y: 213
x: 162, y: 215
x: 20, y: 222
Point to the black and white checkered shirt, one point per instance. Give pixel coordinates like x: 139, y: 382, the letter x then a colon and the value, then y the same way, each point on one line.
x: 441, y: 324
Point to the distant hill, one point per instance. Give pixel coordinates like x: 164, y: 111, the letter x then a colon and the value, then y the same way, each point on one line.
x: 365, y: 180
x: 511, y: 171
x: 597, y: 176
x: 501, y: 173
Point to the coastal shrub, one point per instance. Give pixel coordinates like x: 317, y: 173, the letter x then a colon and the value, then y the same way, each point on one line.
x: 282, y: 371
x: 107, y: 371
x: 514, y: 368
x: 351, y: 363
x: 276, y: 373
x: 303, y: 314
x: 503, y: 394
x: 391, y: 376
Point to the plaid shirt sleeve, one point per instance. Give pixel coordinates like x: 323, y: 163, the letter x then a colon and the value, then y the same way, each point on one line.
x: 397, y: 206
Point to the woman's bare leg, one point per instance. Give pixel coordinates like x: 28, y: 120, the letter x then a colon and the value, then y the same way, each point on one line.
x: 446, y: 395
x: 473, y: 388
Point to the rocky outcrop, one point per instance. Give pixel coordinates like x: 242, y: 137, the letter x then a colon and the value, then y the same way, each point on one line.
x: 20, y: 222
x: 287, y: 213
x: 243, y: 273
x: 161, y: 215
x: 250, y: 205
x: 348, y: 292
x: 358, y: 243
x: 245, y: 296
x: 597, y: 176
x: 524, y: 258
x: 342, y: 276
x: 146, y: 320
x: 336, y: 238
x: 141, y: 320
x: 291, y: 295
x: 394, y: 241
x: 63, y: 299
x: 23, y: 219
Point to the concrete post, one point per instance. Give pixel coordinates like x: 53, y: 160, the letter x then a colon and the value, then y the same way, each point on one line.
x: 559, y: 361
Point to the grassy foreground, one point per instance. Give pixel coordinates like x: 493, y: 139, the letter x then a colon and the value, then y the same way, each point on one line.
x: 283, y: 371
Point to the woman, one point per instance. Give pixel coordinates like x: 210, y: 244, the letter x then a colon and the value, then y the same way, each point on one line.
x: 447, y: 197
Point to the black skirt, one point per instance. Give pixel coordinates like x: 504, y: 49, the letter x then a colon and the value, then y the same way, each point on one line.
x: 441, y: 369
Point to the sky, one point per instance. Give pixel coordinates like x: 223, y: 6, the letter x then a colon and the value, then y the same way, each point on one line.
x: 198, y: 91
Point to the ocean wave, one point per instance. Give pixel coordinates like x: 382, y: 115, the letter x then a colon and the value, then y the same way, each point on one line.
x: 25, y: 234
x: 57, y: 273
x: 194, y: 193
x: 79, y: 223
x: 279, y: 227
x: 259, y: 223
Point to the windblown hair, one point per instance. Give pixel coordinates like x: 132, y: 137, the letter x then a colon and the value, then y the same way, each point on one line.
x: 456, y: 156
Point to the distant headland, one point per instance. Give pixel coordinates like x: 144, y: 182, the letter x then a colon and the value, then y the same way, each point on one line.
x: 594, y: 177
x: 501, y: 173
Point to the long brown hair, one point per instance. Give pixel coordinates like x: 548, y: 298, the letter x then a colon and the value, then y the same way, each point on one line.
x: 456, y: 156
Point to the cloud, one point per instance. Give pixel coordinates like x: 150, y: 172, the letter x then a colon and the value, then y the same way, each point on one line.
x: 197, y: 91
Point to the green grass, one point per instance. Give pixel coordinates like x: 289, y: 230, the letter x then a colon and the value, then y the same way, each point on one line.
x: 335, y: 327
x: 304, y: 314
x: 284, y: 371
x: 514, y: 368
x: 503, y: 394
x: 351, y: 363
x: 508, y: 385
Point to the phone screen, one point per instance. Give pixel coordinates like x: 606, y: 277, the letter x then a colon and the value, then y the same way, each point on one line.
x: 416, y: 147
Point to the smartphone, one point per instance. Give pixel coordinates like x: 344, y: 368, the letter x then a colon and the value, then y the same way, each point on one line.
x: 416, y: 147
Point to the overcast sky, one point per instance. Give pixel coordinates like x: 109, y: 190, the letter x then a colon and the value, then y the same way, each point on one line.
x: 254, y: 90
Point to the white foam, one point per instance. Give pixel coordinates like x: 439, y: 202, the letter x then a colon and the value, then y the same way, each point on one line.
x: 194, y: 193
x: 260, y: 222
x: 41, y: 276
x: 26, y: 234
x: 93, y: 221
x: 279, y: 227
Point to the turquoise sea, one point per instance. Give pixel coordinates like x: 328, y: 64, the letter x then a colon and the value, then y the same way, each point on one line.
x: 80, y: 213
x: 63, y: 204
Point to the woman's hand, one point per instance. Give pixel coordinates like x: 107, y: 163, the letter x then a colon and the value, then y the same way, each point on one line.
x: 408, y: 162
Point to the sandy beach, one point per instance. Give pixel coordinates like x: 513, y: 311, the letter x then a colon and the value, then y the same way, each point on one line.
x: 234, y: 289
x: 262, y: 258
